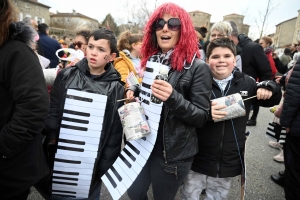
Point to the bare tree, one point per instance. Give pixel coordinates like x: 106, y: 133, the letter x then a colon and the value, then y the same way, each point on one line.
x: 262, y: 20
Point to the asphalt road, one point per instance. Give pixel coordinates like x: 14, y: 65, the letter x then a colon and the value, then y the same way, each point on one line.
x: 259, y: 166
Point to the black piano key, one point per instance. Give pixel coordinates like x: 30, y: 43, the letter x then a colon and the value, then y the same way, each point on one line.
x: 146, y: 101
x: 75, y: 120
x: 133, y: 148
x: 147, y: 118
x: 66, y: 173
x: 144, y: 138
x: 72, y: 112
x: 149, y: 69
x: 125, y: 161
x: 71, y: 141
x: 129, y: 154
x: 70, y: 148
x: 62, y: 191
x: 79, y: 98
x: 67, y: 161
x: 64, y: 183
x: 74, y: 127
x: 116, y: 173
x: 146, y: 85
x: 146, y: 93
x: 62, y: 195
x: 111, y: 180
x: 65, y: 178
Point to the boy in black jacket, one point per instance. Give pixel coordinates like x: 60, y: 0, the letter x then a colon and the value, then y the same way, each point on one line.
x: 221, y: 143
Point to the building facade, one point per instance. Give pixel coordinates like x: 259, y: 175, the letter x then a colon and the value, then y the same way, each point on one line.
x: 33, y: 9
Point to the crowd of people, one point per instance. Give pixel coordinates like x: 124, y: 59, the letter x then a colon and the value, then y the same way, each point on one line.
x: 195, y: 149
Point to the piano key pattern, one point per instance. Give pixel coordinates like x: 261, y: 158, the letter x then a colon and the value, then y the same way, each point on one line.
x: 78, y: 144
x: 136, y: 152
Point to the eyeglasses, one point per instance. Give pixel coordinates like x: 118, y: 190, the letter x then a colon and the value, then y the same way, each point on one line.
x: 78, y: 44
x: 173, y: 24
x: 217, y: 35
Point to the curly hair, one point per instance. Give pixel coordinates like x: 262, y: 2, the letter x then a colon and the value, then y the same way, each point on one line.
x: 126, y: 39
x: 185, y: 48
x: 8, y: 16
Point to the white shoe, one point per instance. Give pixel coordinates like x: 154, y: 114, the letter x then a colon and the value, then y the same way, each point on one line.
x: 279, y: 157
x: 275, y: 145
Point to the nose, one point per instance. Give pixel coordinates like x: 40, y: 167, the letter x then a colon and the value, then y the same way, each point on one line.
x: 165, y: 28
x: 76, y: 47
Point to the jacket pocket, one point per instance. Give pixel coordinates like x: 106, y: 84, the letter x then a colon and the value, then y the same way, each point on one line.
x: 169, y: 169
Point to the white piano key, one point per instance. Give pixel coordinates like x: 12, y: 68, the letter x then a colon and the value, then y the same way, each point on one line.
x: 73, y: 165
x: 125, y: 178
x: 154, y: 117
x: 98, y: 106
x: 91, y: 119
x: 75, y: 158
x: 68, y: 191
x: 71, y: 187
x: 129, y: 171
x: 134, y: 165
x: 144, y: 152
x: 73, y: 170
x: 91, y: 134
x: 94, y: 96
x: 152, y: 124
x: 148, y: 81
x: 66, y: 195
x: 155, y: 65
x: 147, y: 145
x: 152, y: 136
x: 139, y: 158
x: 86, y: 147
x: 81, y: 138
x: 90, y: 154
x: 120, y: 186
x: 144, y: 97
x: 90, y: 111
x: 146, y: 90
x: 80, y: 177
x: 112, y: 190
x: 79, y: 183
x: 92, y: 127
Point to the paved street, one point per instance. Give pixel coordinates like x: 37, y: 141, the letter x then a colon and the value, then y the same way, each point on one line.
x: 260, y: 166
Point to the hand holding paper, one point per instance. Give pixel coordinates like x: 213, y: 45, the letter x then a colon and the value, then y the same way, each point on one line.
x: 216, y: 111
x: 161, y: 89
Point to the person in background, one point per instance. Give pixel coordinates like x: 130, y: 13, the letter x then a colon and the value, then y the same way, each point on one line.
x: 266, y: 43
x: 294, y: 49
x: 286, y: 58
x: 129, y: 46
x: 24, y: 105
x: 48, y: 45
x: 201, y: 34
x: 170, y: 39
x: 221, y: 143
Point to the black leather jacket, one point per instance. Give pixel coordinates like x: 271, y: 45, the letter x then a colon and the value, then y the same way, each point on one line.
x: 109, y: 84
x: 187, y: 108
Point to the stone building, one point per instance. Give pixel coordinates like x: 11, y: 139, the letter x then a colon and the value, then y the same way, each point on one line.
x: 287, y: 32
x: 200, y: 19
x: 33, y: 9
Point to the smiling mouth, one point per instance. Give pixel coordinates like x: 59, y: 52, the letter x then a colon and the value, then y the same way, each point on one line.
x: 165, y: 37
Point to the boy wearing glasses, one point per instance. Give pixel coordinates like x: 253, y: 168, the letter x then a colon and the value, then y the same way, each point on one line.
x: 221, y: 143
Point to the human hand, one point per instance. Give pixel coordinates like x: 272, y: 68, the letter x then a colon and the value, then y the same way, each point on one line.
x: 130, y: 95
x: 274, y: 55
x: 216, y: 113
x: 263, y: 94
x: 277, y: 79
x: 161, y: 89
x: 287, y: 130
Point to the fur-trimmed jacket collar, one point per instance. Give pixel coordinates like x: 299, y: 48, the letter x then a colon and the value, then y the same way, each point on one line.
x: 23, y: 32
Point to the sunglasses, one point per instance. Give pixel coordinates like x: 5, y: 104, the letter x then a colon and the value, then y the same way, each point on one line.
x: 78, y: 44
x: 173, y: 24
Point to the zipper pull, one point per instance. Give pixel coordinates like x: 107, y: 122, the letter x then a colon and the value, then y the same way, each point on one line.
x: 165, y: 156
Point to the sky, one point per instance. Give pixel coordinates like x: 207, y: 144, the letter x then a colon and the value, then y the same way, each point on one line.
x: 98, y: 9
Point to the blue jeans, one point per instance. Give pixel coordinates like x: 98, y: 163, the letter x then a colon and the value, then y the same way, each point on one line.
x: 166, y: 178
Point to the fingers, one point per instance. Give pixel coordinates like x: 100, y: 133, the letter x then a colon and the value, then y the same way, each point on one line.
x: 130, y: 94
x: 216, y: 111
x: 263, y: 94
x: 161, y: 89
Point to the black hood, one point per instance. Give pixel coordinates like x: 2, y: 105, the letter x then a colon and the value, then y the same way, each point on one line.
x: 243, y: 39
x: 22, y: 31
x: 111, y: 74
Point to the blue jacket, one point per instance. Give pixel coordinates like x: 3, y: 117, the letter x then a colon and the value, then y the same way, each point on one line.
x: 49, y: 47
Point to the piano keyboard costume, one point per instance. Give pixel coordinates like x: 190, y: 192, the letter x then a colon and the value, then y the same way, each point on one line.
x: 78, y: 144
x: 136, y: 153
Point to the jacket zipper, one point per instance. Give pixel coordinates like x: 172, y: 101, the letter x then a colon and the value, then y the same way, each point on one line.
x: 164, y: 152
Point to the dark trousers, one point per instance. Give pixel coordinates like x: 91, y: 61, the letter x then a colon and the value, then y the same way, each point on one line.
x: 292, y: 167
x: 22, y: 196
x: 166, y: 178
x: 255, y: 108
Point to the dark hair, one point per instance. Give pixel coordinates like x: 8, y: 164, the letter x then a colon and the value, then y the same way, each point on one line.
x: 43, y: 28
x: 287, y: 51
x: 256, y: 41
x: 126, y: 39
x: 8, y: 15
x: 221, y: 42
x: 85, y: 34
x: 202, y: 30
x: 235, y: 31
x: 104, y: 33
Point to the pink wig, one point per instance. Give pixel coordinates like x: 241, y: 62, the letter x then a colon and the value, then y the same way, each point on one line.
x: 186, y: 46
